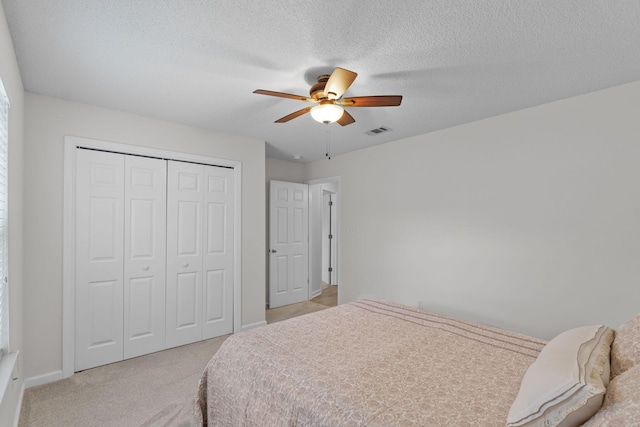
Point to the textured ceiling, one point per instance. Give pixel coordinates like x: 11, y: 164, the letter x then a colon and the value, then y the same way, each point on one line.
x: 197, y: 62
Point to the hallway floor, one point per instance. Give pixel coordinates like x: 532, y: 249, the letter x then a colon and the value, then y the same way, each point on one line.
x: 328, y: 298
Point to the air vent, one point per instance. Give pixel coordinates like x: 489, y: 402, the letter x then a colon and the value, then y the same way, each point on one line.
x: 378, y: 131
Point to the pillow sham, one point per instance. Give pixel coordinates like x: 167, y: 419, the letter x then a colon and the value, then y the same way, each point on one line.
x: 566, y: 383
x: 625, y: 350
x: 621, y: 405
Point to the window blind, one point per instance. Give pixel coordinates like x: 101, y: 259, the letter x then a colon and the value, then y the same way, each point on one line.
x: 4, y: 273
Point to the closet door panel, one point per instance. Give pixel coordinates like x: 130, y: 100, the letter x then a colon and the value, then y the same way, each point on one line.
x: 218, y: 251
x: 145, y: 255
x: 187, y: 300
x: 99, y: 258
x: 141, y: 314
x: 184, y: 253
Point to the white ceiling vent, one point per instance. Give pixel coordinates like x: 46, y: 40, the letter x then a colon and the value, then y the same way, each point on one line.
x: 379, y: 130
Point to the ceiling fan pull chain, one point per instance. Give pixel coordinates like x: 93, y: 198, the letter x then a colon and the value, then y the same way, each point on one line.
x: 327, y: 141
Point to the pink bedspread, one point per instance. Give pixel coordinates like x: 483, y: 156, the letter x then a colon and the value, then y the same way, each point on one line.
x: 367, y: 363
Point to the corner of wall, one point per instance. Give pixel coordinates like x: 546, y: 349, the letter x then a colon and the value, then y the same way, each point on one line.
x: 12, y: 80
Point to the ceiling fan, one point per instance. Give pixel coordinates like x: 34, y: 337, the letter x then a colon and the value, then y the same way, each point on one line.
x: 327, y: 93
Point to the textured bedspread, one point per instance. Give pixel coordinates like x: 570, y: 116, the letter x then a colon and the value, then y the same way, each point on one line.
x: 367, y: 363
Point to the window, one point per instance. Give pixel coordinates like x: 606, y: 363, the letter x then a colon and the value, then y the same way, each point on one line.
x: 4, y: 247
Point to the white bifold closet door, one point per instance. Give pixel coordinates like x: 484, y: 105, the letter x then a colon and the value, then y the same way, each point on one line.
x: 145, y: 200
x: 99, y: 258
x: 120, y: 257
x: 199, y: 252
x: 154, y: 255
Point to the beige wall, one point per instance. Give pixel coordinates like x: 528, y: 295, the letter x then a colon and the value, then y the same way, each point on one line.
x: 281, y: 170
x: 10, y: 75
x: 47, y: 121
x: 529, y: 221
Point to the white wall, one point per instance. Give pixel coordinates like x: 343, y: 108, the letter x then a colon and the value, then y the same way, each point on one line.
x: 281, y: 170
x: 10, y: 75
x: 47, y: 121
x: 529, y: 221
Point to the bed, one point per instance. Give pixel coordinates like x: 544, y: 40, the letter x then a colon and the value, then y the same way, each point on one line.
x: 376, y: 363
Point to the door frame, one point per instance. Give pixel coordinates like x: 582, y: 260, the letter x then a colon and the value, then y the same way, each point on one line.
x: 71, y: 144
x: 335, y: 180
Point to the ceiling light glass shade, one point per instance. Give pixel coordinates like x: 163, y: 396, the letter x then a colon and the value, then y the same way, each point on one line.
x: 326, y: 113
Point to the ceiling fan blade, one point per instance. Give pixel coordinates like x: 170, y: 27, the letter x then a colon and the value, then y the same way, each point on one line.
x: 346, y: 119
x: 338, y: 83
x: 283, y: 95
x: 293, y: 115
x: 372, y: 101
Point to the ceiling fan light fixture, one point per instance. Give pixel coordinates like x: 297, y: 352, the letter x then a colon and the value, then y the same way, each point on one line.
x: 327, y: 93
x: 326, y: 113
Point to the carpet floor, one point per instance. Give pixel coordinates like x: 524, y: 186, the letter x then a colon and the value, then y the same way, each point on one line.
x: 152, y: 390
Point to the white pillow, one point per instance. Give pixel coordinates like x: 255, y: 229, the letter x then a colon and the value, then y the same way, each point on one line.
x: 566, y: 383
x: 625, y: 350
x: 621, y: 403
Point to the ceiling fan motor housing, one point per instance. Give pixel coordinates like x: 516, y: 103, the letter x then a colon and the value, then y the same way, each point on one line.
x: 317, y: 90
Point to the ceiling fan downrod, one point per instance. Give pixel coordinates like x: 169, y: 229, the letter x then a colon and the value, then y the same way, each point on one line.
x: 327, y: 155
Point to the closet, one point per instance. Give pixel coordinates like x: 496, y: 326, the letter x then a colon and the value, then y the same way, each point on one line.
x: 154, y: 255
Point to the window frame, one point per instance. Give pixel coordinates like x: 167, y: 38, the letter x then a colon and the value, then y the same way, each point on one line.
x: 4, y: 228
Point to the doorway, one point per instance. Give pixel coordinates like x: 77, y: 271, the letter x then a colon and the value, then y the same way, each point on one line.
x: 324, y: 237
x: 328, y: 242
x: 318, y: 236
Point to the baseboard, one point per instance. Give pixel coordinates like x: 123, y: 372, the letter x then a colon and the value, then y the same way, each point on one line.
x: 253, y: 325
x: 16, y: 416
x: 315, y: 294
x: 42, y: 379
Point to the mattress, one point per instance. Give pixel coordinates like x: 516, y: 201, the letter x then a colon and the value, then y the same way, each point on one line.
x: 366, y: 363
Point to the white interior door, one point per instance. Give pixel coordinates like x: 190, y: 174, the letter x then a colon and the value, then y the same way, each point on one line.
x: 184, y: 252
x: 289, y: 243
x: 218, y: 251
x: 145, y: 202
x: 99, y: 258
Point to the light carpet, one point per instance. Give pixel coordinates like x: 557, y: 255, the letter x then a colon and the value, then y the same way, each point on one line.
x: 152, y: 390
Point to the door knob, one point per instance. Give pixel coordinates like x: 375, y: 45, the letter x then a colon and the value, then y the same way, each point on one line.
x: 145, y: 267
x: 185, y: 265
x: 273, y: 251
